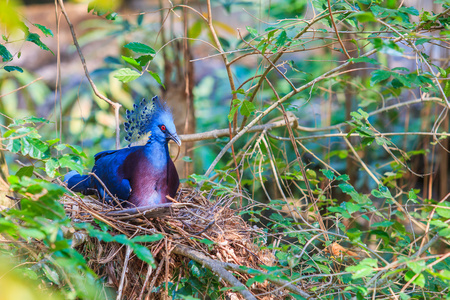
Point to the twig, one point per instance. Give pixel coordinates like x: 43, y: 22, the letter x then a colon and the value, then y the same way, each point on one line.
x: 336, y: 31
x: 22, y: 87
x: 104, y: 186
x: 147, y: 277
x: 152, y: 284
x: 214, y: 134
x: 216, y: 267
x: 115, y: 105
x: 124, y: 271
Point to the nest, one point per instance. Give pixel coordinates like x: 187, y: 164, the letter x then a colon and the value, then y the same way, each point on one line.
x: 194, y: 227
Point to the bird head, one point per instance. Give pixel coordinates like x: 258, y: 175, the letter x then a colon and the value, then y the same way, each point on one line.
x: 151, y: 117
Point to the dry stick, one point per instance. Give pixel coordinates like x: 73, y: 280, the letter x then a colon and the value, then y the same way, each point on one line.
x: 199, y: 257
x: 124, y: 271
x: 104, y: 186
x: 147, y: 277
x: 94, y: 87
x: 216, y: 267
x: 232, y: 86
x: 22, y: 87
x: 214, y: 134
x: 336, y: 30
x: 152, y: 284
x: 280, y: 282
x: 58, y: 74
x: 167, y: 245
x: 302, y: 168
x: 328, y: 135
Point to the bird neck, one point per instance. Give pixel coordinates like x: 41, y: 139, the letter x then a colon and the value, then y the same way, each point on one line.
x: 157, y: 152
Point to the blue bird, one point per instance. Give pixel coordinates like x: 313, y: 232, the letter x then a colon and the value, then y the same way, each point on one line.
x: 140, y: 175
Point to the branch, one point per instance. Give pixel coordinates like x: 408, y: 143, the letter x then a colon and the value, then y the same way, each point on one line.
x: 214, y: 134
x: 223, y: 266
x: 115, y: 105
x: 124, y: 271
x: 216, y: 267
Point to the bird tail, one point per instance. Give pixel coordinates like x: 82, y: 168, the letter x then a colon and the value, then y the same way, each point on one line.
x: 79, y: 183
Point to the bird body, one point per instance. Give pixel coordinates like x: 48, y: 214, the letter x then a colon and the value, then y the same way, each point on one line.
x: 140, y: 175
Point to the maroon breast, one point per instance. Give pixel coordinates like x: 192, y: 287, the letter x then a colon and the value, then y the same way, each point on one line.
x: 148, y: 184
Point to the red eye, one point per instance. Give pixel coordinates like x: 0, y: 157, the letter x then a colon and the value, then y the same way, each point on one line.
x: 163, y: 128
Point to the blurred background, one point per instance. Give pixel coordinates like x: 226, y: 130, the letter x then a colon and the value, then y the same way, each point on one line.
x: 197, y: 88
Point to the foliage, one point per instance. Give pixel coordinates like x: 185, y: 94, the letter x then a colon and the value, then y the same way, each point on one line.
x: 352, y: 198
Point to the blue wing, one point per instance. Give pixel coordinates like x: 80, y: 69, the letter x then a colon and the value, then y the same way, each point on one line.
x: 109, y: 169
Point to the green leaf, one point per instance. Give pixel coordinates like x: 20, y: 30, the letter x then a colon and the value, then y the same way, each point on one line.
x: 328, y: 174
x: 382, y: 224
x: 76, y: 149
x: 444, y: 232
x: 422, y: 41
x: 126, y: 75
x: 187, y: 159
x: 25, y: 171
x: 234, y: 108
x: 381, y: 234
x: 60, y: 147
x: 420, y: 280
x: 364, y: 59
x: 72, y: 162
x: 13, y: 68
x: 157, y: 78
x: 207, y: 242
x: 34, y: 148
x: 147, y: 238
x: 13, y: 145
x: 50, y: 166
x: 247, y: 108
x: 195, y: 30
x: 416, y: 266
x: 35, y: 38
x: 409, y: 10
x: 44, y: 29
x: 139, y: 19
x: 140, y: 48
x: 5, y: 54
x: 378, y: 76
x: 354, y: 234
x: 282, y: 38
x: 443, y: 211
x: 363, y: 16
x: 143, y: 253
x: 360, y: 271
x: 352, y: 207
x: 258, y: 278
x: 51, y: 275
x: 132, y: 62
x: 144, y: 59
x: 253, y: 32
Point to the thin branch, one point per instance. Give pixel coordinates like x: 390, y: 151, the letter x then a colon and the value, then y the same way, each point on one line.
x: 124, y: 271
x: 115, y: 105
x: 217, y: 133
x: 22, y: 87
x: 216, y: 267
x: 337, y: 31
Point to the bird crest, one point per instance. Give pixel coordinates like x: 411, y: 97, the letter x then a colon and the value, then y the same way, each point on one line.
x: 139, y: 119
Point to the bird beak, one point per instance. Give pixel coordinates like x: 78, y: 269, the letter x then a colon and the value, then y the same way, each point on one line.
x: 175, y: 138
